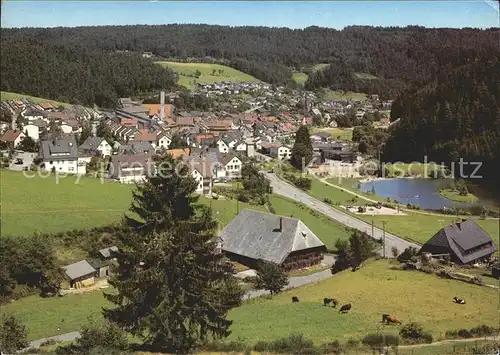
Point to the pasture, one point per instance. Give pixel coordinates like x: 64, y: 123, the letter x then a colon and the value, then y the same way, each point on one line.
x: 299, y: 77
x: 378, y: 287
x: 210, y: 73
x: 335, y: 133
x: 48, y: 205
x: 6, y: 95
x: 374, y: 289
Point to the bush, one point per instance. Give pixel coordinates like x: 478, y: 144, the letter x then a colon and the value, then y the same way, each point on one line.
x: 377, y: 341
x: 464, y: 333
x: 242, y: 197
x: 327, y: 200
x: 409, y: 253
x: 483, y: 330
x: 333, y: 347
x: 414, y: 333
x: 303, y: 183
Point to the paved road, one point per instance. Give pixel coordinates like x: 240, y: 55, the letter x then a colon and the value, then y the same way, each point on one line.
x: 283, y: 188
x: 293, y: 282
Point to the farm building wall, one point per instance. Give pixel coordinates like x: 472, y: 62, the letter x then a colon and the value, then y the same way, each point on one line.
x: 295, y: 260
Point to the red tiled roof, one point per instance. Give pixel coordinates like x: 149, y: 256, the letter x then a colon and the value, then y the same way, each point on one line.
x: 146, y: 136
x: 10, y: 135
x: 177, y: 153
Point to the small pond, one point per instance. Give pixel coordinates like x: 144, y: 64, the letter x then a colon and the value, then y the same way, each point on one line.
x: 422, y: 192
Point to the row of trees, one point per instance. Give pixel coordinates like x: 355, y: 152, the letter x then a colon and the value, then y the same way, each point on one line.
x: 77, y: 75
x: 82, y: 58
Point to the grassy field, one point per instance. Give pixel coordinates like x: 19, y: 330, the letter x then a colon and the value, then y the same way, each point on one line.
x: 454, y: 195
x: 43, y: 205
x: 186, y: 73
x: 299, y: 77
x: 5, y: 95
x: 449, y: 348
x: 415, y: 226
x: 348, y: 95
x: 375, y: 289
x: 335, y: 132
x: 411, y: 169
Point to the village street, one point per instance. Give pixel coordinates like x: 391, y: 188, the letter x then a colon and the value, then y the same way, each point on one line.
x: 283, y: 188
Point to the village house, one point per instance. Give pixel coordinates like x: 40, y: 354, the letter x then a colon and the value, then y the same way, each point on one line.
x: 60, y: 154
x: 280, y: 151
x: 80, y: 274
x: 253, y: 237
x: 163, y: 140
x: 464, y: 241
x: 202, y: 172
x: 223, y: 147
x: 96, y: 146
x: 320, y: 137
x: 240, y: 146
x: 102, y: 265
x: 129, y: 169
x: 232, y: 165
x: 12, y: 137
x: 32, y: 131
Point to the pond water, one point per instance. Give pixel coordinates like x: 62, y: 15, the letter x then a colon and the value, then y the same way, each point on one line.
x: 422, y: 192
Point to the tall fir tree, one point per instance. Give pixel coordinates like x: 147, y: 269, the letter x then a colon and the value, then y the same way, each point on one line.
x: 173, y: 290
x: 302, y: 151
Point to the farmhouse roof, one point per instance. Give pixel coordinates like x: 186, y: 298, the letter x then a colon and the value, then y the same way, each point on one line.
x: 257, y: 235
x: 79, y: 269
x: 465, y: 239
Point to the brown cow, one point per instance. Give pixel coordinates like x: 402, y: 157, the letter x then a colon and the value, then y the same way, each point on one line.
x: 391, y: 320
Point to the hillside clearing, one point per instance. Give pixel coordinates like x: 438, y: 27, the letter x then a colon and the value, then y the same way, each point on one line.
x: 365, y: 76
x: 335, y: 133
x: 6, y: 95
x: 375, y: 289
x: 210, y: 73
x: 299, y: 77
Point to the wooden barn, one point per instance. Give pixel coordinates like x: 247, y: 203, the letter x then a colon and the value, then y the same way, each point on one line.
x: 252, y: 237
x: 465, y: 242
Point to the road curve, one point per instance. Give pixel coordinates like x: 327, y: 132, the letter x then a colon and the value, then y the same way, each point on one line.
x: 285, y: 189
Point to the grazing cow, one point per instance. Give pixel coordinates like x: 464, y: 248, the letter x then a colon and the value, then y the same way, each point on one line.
x: 295, y: 299
x: 333, y: 301
x: 384, y: 317
x: 458, y: 300
x: 345, y: 308
x: 391, y: 320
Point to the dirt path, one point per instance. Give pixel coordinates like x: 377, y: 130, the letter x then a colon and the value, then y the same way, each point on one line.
x: 451, y: 341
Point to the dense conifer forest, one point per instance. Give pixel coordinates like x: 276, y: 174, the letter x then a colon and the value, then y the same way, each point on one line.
x: 455, y: 116
x: 78, y: 63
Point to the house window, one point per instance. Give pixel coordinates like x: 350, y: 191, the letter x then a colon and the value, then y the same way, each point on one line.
x: 51, y: 162
x: 71, y: 169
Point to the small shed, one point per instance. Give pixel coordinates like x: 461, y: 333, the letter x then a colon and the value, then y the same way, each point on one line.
x: 80, y: 274
x: 495, y: 271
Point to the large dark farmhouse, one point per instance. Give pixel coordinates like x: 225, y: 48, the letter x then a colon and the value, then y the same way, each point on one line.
x: 464, y: 241
x: 254, y: 236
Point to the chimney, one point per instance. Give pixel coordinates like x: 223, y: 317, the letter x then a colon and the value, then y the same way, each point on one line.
x: 162, y: 105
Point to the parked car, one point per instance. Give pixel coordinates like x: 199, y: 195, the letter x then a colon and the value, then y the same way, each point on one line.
x: 18, y: 161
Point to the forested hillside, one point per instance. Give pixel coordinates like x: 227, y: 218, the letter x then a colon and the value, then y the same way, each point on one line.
x: 78, y: 75
x: 396, y: 56
x: 455, y: 116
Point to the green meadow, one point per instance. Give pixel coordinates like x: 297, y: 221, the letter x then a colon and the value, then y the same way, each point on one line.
x: 210, y: 73
x: 5, y: 96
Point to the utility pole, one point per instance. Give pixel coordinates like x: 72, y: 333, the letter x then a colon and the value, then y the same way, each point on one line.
x: 373, y: 227
x: 383, y: 235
